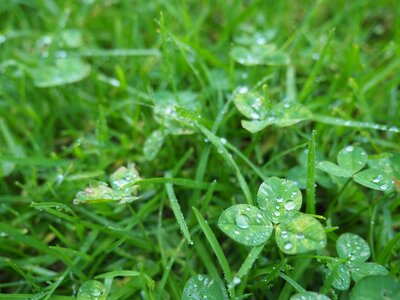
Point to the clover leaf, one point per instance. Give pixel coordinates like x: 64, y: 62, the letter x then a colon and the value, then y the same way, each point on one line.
x: 300, y: 233
x: 309, y: 296
x: 254, y: 106
x: 279, y: 201
x: 351, y: 160
x: 245, y: 224
x: 376, y: 287
x: 203, y: 287
x: 92, y: 290
x: 354, y: 252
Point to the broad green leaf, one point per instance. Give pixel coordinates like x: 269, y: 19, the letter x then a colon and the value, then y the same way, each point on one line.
x: 300, y: 233
x: 374, y: 179
x: 153, y: 144
x: 92, y: 290
x: 376, y: 288
x: 258, y: 37
x: 352, y: 247
x: 96, y: 192
x: 352, y: 158
x: 255, y: 125
x: 309, y: 296
x: 245, y: 224
x: 258, y: 55
x: 333, y: 169
x: 123, y: 182
x: 63, y: 71
x: 165, y: 106
x: 72, y: 38
x: 252, y: 105
x: 395, y: 164
x: 368, y: 269
x: 283, y: 114
x: 279, y: 199
x: 381, y: 162
x: 124, y: 178
x: 203, y: 287
x: 342, y: 278
x: 287, y: 113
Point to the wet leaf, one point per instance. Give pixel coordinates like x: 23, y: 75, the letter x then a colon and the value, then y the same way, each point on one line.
x: 259, y: 55
x: 203, y: 287
x: 309, y: 296
x: 352, y: 247
x: 333, y: 169
x: 342, y: 278
x: 352, y: 158
x: 374, y: 179
x: 153, y: 144
x: 376, y: 288
x: 165, y: 110
x: 92, y: 290
x: 279, y: 199
x: 245, y: 224
x: 97, y: 191
x: 283, y: 114
x: 300, y: 233
x: 62, y: 71
x: 368, y: 269
x: 252, y: 105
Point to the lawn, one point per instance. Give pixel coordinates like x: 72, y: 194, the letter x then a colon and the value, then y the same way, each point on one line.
x: 199, y: 149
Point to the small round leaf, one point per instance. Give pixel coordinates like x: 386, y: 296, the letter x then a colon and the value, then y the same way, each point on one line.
x: 368, y: 269
x: 352, y: 247
x: 153, y: 144
x: 279, y: 199
x: 342, y: 278
x: 300, y: 233
x: 374, y: 179
x: 251, y: 105
x: 352, y: 158
x: 92, y: 290
x: 203, y: 287
x: 245, y: 224
x: 333, y: 169
x: 309, y: 296
x: 376, y: 288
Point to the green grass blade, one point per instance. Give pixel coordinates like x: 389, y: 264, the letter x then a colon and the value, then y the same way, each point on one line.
x: 310, y: 199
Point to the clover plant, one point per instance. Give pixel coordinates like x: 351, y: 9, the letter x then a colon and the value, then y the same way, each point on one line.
x: 351, y: 161
x: 123, y: 188
x: 353, y: 252
x: 279, y: 201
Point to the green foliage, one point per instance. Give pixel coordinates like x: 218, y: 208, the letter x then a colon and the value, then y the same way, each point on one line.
x: 279, y: 201
x: 350, y: 161
x: 215, y: 102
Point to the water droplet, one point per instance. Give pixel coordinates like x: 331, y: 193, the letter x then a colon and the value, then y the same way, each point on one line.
x: 2, y: 38
x: 290, y: 205
x: 243, y: 89
x: 277, y: 213
x: 300, y: 235
x: 248, y: 208
x: 254, y: 116
x: 286, y: 105
x: 349, y: 148
x: 376, y: 179
x: 279, y: 199
x: 384, y: 187
x: 288, y: 246
x: 236, y: 232
x: 261, y: 40
x: 223, y: 141
x: 284, y: 234
x: 236, y: 280
x: 259, y: 216
x: 242, y: 221
x: 200, y: 277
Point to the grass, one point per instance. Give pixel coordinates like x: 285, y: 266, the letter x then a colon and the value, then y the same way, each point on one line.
x: 56, y: 138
